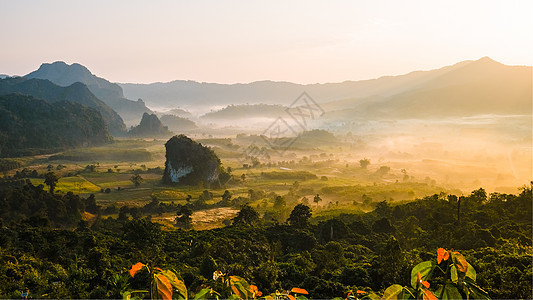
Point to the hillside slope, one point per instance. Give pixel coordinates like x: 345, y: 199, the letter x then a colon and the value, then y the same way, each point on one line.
x: 63, y: 74
x: 480, y: 87
x: 33, y: 126
x: 51, y: 93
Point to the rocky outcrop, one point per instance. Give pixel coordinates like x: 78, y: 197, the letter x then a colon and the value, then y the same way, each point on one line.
x: 150, y: 126
x: 189, y: 162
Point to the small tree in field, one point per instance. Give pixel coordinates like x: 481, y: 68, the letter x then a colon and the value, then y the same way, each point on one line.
x: 51, y: 179
x: 364, y: 163
x: 317, y: 199
x: 183, y: 218
x: 136, y: 179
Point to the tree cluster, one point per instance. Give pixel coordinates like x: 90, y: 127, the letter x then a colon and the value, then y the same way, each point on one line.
x: 328, y: 257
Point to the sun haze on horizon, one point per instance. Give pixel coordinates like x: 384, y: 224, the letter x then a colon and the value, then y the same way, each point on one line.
x: 240, y: 41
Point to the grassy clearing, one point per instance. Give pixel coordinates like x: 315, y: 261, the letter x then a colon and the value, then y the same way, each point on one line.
x: 77, y: 185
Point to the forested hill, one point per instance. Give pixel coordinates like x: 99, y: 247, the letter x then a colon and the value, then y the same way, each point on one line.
x: 51, y: 93
x: 63, y: 74
x: 32, y: 126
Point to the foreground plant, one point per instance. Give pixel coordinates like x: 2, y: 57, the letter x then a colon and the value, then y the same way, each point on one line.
x: 451, y: 277
x: 165, y: 284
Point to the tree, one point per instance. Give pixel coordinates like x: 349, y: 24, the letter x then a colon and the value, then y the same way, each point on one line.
x: 247, y: 216
x: 317, y: 199
x: 123, y: 213
x: 364, y: 163
x: 226, y: 196
x: 479, y: 196
x: 136, y: 179
x: 135, y: 212
x: 300, y: 216
x: 383, y: 209
x: 383, y: 170
x: 279, y: 203
x: 183, y: 218
x: 51, y: 179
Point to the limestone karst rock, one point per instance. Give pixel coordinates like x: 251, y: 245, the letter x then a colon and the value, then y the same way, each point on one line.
x: 190, y: 162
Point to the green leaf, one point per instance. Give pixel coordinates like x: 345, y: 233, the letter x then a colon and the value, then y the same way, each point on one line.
x: 371, y: 296
x: 425, y: 268
x: 449, y: 291
x: 205, y: 294
x: 126, y: 296
x: 476, y: 291
x: 453, y: 274
x: 471, y: 273
x: 301, y: 298
x: 393, y: 291
x: 233, y: 296
x: 240, y: 287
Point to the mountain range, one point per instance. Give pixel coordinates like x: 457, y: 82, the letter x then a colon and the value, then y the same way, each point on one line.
x: 482, y: 86
x: 52, y: 93
x: 64, y: 75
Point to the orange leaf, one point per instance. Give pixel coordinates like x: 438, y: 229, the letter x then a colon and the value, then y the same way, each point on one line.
x: 361, y: 292
x: 255, y: 291
x: 158, y: 269
x: 460, y: 262
x: 235, y: 291
x: 426, y: 284
x: 135, y: 268
x: 163, y: 286
x: 419, y: 279
x: 299, y: 291
x: 291, y: 297
x: 428, y: 295
x: 440, y: 254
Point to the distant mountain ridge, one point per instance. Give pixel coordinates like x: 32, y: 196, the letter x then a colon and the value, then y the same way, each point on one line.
x: 183, y: 92
x: 479, y: 87
x: 247, y: 111
x: 52, y: 93
x: 465, y: 88
x: 63, y: 74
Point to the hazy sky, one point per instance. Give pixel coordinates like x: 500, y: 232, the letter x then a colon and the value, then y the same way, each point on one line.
x: 244, y: 41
